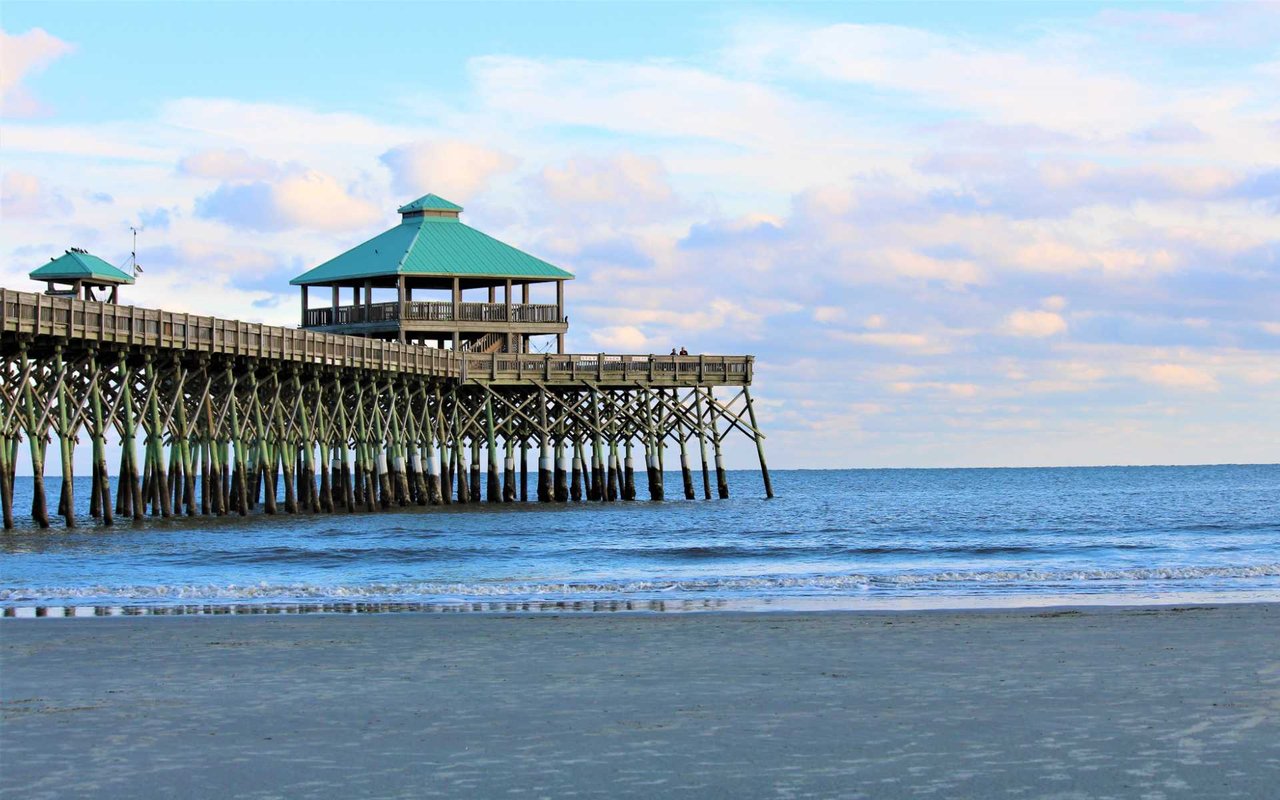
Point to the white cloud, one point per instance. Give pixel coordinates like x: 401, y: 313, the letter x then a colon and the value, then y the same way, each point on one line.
x: 301, y: 198
x: 227, y: 165
x: 1035, y: 324
x: 1040, y: 83
x: 452, y: 168
x: 646, y: 98
x: 1180, y: 376
x: 626, y: 181
x: 828, y: 314
x: 620, y: 339
x: 21, y: 56
x: 915, y: 342
x: 23, y: 195
x: 911, y: 264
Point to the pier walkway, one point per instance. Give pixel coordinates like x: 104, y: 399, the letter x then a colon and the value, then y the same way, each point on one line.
x: 220, y: 416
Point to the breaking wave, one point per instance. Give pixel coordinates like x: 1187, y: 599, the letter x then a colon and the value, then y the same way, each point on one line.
x: 759, y: 586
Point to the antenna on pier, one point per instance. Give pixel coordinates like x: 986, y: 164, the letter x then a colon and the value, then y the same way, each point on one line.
x: 133, y: 254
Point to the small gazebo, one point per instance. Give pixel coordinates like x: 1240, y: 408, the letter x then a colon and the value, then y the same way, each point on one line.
x: 432, y: 250
x: 78, y: 273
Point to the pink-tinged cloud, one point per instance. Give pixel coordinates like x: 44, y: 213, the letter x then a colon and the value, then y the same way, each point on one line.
x: 625, y: 188
x: 301, y: 198
x: 21, y: 56
x: 23, y: 195
x: 1181, y: 376
x: 1034, y: 324
x: 452, y: 168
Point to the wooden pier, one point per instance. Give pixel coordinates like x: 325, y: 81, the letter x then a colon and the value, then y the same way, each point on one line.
x: 217, y: 416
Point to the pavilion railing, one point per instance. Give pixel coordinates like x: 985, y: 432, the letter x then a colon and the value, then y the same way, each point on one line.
x: 432, y: 311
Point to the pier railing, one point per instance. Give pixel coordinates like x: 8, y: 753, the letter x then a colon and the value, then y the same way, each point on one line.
x: 41, y: 315
x: 38, y: 315
x: 605, y: 368
x: 433, y: 311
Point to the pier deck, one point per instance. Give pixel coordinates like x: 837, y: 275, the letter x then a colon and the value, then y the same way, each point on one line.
x: 59, y: 321
x: 242, y: 406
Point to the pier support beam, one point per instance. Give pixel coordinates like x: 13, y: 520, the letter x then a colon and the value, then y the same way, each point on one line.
x: 759, y: 437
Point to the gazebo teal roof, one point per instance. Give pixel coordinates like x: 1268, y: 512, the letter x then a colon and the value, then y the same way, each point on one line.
x: 432, y: 245
x: 80, y: 265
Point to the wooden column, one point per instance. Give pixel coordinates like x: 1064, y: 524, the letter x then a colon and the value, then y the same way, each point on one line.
x: 559, y: 316
x: 304, y: 305
x: 400, y: 301
x: 457, y: 309
x: 333, y: 319
x: 506, y: 299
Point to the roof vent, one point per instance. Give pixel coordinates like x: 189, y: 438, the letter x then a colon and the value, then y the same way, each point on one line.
x: 430, y: 205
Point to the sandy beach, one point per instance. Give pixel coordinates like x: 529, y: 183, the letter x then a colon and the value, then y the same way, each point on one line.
x: 1070, y: 703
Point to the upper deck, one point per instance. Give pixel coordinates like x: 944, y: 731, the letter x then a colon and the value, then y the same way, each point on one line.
x: 48, y: 320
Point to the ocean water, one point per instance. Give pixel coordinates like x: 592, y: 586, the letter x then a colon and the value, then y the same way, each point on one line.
x: 831, y: 539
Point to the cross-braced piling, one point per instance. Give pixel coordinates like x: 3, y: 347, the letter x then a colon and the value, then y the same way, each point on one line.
x: 219, y: 417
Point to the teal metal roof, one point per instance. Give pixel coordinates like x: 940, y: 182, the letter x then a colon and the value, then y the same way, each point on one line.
x: 429, y: 202
x: 78, y: 265
x: 432, y: 246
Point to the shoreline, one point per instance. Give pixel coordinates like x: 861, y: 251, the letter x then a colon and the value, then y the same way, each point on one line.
x: 1071, y: 702
x: 760, y: 605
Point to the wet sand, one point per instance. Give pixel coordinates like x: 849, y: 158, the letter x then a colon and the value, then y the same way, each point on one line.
x: 1086, y: 703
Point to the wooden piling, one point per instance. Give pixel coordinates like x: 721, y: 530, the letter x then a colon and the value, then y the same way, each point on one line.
x: 685, y: 474
x: 628, y: 474
x: 509, y: 491
x: 524, y: 471
x: 545, y: 478
x: 615, y: 472
x: 102, y: 481
x: 6, y: 481
x: 759, y: 437
x: 561, y: 482
x: 475, y: 469
x: 65, y: 443
x: 459, y: 463
x: 575, y: 481
x: 722, y: 478
x: 433, y: 462
x: 598, y: 491
x: 494, y: 493
x: 702, y: 443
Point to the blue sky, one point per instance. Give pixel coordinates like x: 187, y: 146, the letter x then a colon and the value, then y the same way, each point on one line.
x: 953, y: 234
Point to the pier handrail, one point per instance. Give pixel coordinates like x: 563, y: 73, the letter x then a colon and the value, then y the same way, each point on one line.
x: 41, y: 315
x: 651, y: 369
x: 33, y: 314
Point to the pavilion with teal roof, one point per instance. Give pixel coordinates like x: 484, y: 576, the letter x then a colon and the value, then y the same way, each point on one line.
x: 432, y: 250
x: 78, y: 273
